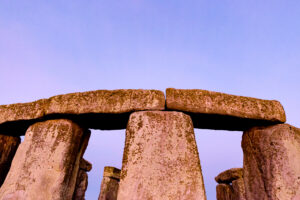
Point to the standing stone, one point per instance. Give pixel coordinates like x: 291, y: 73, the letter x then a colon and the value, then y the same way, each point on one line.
x: 224, y: 191
x: 82, y: 180
x: 8, y: 148
x: 160, y: 159
x: 110, y: 184
x: 46, y: 164
x: 231, y: 185
x: 238, y: 187
x: 272, y: 162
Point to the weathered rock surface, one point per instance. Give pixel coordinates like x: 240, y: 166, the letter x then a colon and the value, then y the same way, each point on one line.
x: 8, y: 148
x: 238, y: 187
x: 85, y: 165
x: 236, y: 191
x: 160, y: 158
x: 224, y: 192
x: 231, y: 185
x: 85, y: 107
x: 229, y: 175
x: 271, y: 162
x: 46, y: 164
x: 82, y: 180
x: 214, y: 110
x: 110, y: 184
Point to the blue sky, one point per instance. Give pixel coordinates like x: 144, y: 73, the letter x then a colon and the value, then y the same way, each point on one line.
x: 249, y: 48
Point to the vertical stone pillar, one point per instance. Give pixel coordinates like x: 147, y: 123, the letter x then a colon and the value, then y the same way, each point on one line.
x: 110, y: 184
x: 46, y: 164
x: 160, y: 159
x: 272, y: 162
x: 82, y: 180
x: 8, y: 148
x: 231, y: 185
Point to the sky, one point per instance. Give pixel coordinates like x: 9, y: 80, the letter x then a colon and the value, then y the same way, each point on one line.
x: 248, y: 48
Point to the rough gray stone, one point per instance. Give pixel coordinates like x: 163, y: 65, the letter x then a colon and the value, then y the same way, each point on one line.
x: 8, y: 148
x: 215, y: 110
x: 84, y: 107
x: 271, y: 162
x: 110, y: 184
x: 46, y: 164
x: 161, y: 159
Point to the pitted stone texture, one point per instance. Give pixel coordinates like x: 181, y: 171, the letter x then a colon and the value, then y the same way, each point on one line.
x: 82, y: 180
x: 224, y: 192
x: 8, y: 148
x: 80, y: 105
x: 231, y: 185
x: 160, y: 159
x: 112, y: 172
x: 216, y: 110
x: 85, y: 165
x: 234, y: 191
x: 46, y: 163
x: 271, y: 162
x: 110, y: 184
x: 238, y: 189
x: 229, y: 175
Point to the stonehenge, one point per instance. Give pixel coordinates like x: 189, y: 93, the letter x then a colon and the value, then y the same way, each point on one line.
x: 160, y: 158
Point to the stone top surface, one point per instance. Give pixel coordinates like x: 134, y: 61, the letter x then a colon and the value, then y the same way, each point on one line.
x: 112, y: 172
x: 226, y: 111
x: 229, y: 175
x: 84, y: 103
x: 85, y: 165
x: 99, y: 101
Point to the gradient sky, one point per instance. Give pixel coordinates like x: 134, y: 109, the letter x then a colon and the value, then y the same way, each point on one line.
x: 249, y: 48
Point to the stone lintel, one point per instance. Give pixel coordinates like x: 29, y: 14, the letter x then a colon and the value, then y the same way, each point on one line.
x: 215, y: 110
x: 85, y: 165
x: 112, y: 172
x: 229, y: 175
x: 109, y: 107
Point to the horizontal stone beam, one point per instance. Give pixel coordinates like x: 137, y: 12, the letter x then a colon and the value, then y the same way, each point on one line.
x: 229, y: 175
x: 101, y: 109
x: 215, y: 110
